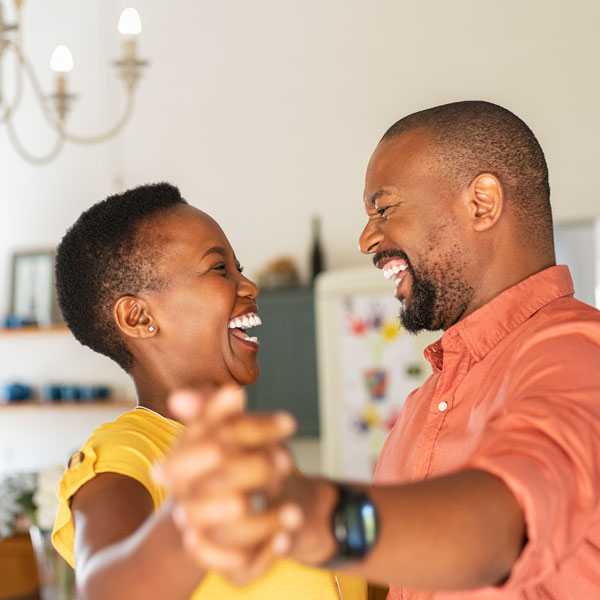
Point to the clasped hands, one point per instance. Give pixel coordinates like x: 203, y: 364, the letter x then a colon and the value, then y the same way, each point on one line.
x: 238, y: 502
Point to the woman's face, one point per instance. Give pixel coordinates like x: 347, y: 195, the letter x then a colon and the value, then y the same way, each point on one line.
x: 194, y: 314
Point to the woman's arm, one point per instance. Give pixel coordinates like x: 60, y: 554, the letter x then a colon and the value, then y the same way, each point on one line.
x: 123, y: 548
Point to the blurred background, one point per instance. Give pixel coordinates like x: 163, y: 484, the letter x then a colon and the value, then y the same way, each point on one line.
x: 264, y: 114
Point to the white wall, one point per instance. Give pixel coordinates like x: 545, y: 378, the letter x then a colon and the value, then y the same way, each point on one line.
x: 266, y: 112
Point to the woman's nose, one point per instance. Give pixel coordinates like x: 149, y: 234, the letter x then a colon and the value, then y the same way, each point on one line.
x: 247, y: 287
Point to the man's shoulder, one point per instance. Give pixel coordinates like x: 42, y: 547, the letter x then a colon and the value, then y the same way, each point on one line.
x: 563, y: 315
x: 565, y: 331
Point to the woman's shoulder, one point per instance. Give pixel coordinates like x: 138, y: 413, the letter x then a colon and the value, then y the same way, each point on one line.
x: 139, y: 428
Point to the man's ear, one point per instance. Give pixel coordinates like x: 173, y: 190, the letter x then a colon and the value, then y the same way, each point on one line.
x: 133, y: 318
x: 486, y: 198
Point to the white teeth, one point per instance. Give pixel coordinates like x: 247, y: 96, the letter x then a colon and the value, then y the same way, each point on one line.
x: 391, y: 272
x: 245, y: 321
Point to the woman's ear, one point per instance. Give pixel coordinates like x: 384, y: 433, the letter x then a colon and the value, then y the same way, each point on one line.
x: 487, y: 201
x: 133, y: 318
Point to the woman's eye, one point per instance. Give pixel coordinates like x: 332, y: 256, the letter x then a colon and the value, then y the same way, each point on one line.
x: 219, y: 267
x: 240, y: 268
x: 381, y: 211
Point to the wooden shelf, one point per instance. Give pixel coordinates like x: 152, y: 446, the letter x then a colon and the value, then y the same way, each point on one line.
x: 125, y: 403
x: 34, y: 330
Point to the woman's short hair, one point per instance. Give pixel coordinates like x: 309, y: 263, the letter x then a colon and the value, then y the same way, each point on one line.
x: 102, y: 257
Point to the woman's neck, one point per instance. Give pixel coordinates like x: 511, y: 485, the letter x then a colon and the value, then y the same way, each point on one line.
x: 153, y: 389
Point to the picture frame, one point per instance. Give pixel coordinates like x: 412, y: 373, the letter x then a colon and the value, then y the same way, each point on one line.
x: 33, y: 292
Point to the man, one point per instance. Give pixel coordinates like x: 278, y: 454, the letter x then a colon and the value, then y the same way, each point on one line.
x: 490, y: 480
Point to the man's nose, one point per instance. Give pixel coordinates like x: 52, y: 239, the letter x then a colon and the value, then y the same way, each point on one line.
x: 370, y: 238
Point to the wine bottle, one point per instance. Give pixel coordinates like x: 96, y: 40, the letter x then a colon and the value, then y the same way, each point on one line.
x: 317, y: 260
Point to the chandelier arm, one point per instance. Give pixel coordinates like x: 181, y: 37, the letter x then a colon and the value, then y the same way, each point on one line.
x: 9, y: 109
x: 77, y: 139
x: 37, y: 88
x: 26, y: 155
x: 94, y: 139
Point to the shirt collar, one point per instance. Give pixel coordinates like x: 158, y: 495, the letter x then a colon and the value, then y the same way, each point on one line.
x: 491, y: 323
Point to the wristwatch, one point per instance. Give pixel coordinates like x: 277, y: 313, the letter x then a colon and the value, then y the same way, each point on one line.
x: 354, y: 524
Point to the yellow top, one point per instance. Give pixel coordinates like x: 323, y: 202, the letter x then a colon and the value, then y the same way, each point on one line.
x: 130, y: 446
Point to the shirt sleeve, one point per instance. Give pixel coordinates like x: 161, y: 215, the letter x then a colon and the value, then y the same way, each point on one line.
x: 545, y: 444
x: 126, y: 453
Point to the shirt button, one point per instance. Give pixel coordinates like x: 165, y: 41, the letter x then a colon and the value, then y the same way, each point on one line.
x: 442, y: 406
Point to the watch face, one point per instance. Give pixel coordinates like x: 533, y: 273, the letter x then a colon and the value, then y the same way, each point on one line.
x: 354, y: 523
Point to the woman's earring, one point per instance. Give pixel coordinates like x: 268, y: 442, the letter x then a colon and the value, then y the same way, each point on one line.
x: 150, y: 328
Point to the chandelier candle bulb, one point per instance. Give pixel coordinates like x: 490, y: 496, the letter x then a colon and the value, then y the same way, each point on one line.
x: 61, y: 60
x: 130, y: 23
x: 61, y: 63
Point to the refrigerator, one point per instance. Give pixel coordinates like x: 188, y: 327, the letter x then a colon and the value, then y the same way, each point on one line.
x: 367, y: 365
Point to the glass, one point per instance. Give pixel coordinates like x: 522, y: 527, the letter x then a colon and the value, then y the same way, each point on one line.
x: 56, y: 577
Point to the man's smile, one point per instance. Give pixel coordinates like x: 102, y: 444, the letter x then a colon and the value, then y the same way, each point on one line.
x: 393, y: 268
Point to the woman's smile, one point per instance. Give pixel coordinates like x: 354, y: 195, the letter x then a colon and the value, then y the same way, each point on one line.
x: 240, y: 324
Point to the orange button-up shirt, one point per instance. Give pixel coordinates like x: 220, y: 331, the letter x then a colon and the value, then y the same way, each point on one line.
x: 515, y: 391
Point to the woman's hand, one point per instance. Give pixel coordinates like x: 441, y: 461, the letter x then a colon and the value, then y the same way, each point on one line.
x: 228, y: 473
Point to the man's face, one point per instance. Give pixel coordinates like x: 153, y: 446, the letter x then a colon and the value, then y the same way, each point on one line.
x: 416, y: 232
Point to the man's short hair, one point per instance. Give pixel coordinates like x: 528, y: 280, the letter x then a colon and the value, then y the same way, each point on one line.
x: 102, y: 257
x: 474, y: 137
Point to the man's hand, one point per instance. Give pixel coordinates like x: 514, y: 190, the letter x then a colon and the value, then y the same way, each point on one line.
x: 227, y: 474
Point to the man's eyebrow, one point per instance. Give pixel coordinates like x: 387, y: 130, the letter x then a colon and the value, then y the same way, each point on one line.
x: 215, y: 250
x: 373, y: 199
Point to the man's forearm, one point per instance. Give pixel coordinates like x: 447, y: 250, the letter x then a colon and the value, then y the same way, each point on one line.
x: 460, y: 531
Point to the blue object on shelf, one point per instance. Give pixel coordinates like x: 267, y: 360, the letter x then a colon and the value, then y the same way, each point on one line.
x: 17, y: 392
x: 92, y: 393
x: 59, y: 392
x: 69, y: 393
x: 16, y: 322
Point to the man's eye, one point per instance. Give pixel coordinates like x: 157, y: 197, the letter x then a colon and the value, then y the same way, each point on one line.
x: 381, y: 211
x: 219, y: 267
x: 240, y: 268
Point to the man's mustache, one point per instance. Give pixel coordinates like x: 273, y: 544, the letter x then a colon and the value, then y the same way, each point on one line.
x: 378, y: 256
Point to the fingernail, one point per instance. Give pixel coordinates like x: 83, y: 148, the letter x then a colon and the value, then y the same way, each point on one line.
x: 179, y: 516
x: 187, y: 404
x: 190, y: 540
x: 281, y: 543
x: 282, y: 461
x: 158, y: 473
x: 286, y: 422
x: 291, y: 517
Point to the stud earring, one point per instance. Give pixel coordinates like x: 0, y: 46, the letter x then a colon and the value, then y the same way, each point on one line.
x: 150, y: 328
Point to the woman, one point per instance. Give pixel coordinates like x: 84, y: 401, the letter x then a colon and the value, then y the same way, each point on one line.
x: 153, y: 283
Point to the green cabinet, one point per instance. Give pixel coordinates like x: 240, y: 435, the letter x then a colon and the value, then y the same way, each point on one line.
x: 287, y: 357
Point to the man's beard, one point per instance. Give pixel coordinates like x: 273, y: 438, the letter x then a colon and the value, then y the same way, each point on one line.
x: 419, y: 315
x: 435, y: 302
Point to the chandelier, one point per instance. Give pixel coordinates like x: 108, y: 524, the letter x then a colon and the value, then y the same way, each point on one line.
x: 55, y: 106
